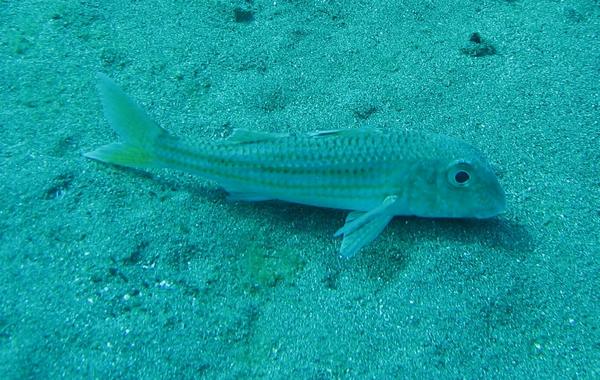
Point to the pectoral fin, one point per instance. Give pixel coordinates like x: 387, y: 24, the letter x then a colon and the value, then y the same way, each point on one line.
x: 356, y: 219
x: 361, y: 228
x: 363, y: 235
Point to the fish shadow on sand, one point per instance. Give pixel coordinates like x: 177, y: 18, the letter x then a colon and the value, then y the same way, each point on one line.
x: 498, y: 233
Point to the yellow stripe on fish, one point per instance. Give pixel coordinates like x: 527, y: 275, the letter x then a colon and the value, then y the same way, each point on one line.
x: 375, y: 174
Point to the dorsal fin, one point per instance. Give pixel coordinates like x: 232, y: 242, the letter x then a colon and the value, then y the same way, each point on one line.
x: 246, y: 136
x: 345, y: 132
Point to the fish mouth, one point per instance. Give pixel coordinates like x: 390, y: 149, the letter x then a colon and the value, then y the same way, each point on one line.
x: 496, y: 208
x: 496, y: 203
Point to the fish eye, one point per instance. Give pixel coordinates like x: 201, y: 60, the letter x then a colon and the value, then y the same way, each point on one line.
x: 459, y: 173
x: 461, y: 176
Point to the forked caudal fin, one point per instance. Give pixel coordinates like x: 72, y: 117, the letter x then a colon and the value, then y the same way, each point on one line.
x: 137, y: 131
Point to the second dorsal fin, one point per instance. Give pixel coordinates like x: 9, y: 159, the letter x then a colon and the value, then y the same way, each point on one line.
x: 345, y: 132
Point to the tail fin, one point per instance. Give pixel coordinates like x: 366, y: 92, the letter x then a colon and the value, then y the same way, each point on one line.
x: 135, y: 128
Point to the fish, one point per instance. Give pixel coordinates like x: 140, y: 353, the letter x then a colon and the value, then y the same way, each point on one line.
x: 374, y: 174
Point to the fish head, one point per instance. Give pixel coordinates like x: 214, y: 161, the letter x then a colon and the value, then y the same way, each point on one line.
x: 469, y: 188
x: 457, y: 183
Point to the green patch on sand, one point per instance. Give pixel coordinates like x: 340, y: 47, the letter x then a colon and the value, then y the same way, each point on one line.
x: 265, y: 266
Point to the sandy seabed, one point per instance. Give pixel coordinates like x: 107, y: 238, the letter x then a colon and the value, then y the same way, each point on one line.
x: 115, y: 273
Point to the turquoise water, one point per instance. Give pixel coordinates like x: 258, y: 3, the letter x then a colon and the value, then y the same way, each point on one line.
x: 115, y: 273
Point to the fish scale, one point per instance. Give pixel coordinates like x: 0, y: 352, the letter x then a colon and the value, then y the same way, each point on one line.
x: 260, y: 167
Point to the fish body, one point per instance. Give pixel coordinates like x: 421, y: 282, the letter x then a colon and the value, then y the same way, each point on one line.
x: 373, y: 173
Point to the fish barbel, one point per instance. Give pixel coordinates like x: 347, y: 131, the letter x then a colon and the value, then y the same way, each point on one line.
x: 374, y: 174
